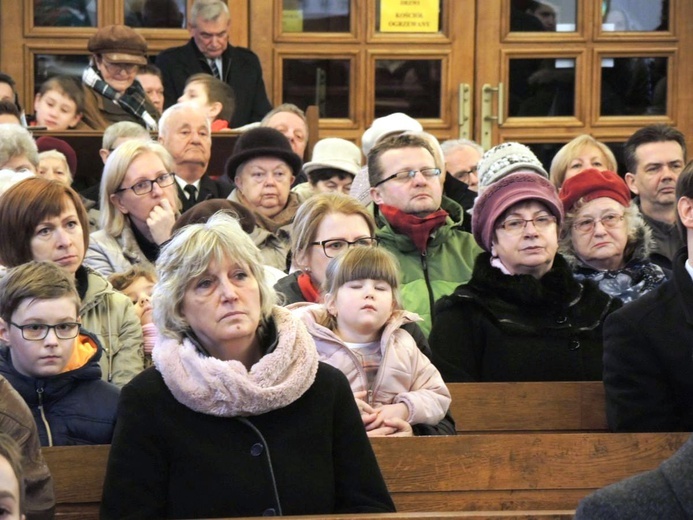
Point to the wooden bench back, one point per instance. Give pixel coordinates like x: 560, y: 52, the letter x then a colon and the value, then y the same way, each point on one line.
x: 490, y: 473
x: 87, y: 144
x: 544, y: 406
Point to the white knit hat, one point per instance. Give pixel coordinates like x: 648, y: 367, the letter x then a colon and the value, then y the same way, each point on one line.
x: 507, y: 158
x: 337, y: 153
x: 397, y: 122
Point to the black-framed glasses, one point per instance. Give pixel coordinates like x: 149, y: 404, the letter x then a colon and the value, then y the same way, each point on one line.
x: 515, y: 226
x: 406, y: 175
x: 39, y: 331
x: 336, y: 246
x: 610, y: 221
x: 463, y: 175
x: 143, y: 187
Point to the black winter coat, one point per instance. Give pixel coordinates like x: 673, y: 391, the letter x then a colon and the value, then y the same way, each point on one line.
x: 71, y: 408
x: 500, y: 327
x: 315, y: 449
x: 648, y: 358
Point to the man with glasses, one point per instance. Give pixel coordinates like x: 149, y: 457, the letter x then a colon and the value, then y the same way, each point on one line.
x: 50, y: 361
x: 111, y: 93
x: 417, y: 224
x: 654, y: 157
x: 209, y: 51
x: 186, y: 133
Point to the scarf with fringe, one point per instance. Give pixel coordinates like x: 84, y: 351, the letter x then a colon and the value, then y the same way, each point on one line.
x: 133, y: 100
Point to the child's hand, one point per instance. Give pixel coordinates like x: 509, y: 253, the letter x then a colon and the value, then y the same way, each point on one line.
x: 394, y: 411
x: 368, y: 414
x: 392, y: 428
x: 161, y: 220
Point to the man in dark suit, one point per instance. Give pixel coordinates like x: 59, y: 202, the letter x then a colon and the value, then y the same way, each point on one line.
x: 665, y: 492
x: 185, y: 132
x: 648, y: 344
x: 209, y: 51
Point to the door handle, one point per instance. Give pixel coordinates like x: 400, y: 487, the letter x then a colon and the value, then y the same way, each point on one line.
x: 487, y: 117
x: 464, y: 116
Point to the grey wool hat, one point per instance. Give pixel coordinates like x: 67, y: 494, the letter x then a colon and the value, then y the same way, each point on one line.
x: 507, y: 158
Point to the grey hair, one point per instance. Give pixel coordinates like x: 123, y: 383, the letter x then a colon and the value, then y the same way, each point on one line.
x: 188, y: 255
x: 207, y: 10
x: 455, y: 144
x: 123, y: 129
x: 16, y: 140
x: 635, y: 228
x: 173, y: 109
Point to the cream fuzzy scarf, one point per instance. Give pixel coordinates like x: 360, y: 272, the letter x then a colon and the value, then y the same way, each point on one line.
x: 226, y: 388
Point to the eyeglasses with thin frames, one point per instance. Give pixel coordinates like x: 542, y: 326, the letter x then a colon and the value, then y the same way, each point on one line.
x: 407, y: 175
x: 515, y: 226
x: 143, y: 187
x: 336, y: 246
x: 463, y: 175
x: 609, y: 221
x: 39, y: 331
x: 115, y: 68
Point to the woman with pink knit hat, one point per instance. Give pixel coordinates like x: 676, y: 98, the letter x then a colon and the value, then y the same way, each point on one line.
x: 522, y: 316
x: 604, y: 237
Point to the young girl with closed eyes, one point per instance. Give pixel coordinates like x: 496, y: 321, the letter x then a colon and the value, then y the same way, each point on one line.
x: 357, y: 329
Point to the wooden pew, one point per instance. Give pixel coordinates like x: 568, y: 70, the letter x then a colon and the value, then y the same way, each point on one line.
x: 523, y: 475
x: 87, y: 144
x: 544, y: 406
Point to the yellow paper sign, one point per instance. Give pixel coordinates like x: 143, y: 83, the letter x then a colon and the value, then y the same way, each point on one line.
x: 292, y: 20
x: 409, y: 16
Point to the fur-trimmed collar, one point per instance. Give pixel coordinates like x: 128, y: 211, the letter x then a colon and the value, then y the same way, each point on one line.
x: 638, y: 250
x: 557, y: 287
x: 226, y: 388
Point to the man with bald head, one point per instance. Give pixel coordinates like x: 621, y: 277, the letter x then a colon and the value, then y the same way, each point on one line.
x: 186, y: 133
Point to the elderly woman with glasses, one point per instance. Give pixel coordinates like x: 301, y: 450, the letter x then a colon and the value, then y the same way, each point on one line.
x: 111, y: 90
x: 522, y: 316
x: 238, y: 417
x: 605, y: 239
x: 139, y: 205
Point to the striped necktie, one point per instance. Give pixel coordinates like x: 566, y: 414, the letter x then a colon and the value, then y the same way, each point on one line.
x: 215, y: 69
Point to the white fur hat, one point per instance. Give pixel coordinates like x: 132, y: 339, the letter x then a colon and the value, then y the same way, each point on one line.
x: 397, y: 122
x: 507, y: 158
x: 337, y: 153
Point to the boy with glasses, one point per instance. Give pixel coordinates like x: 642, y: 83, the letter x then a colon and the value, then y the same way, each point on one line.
x: 50, y: 361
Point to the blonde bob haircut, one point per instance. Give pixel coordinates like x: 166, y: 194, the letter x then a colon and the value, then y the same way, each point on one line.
x: 360, y: 263
x: 117, y: 165
x: 313, y: 211
x: 187, y: 256
x: 561, y: 161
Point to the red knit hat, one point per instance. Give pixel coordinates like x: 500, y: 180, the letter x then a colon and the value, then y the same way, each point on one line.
x: 592, y: 184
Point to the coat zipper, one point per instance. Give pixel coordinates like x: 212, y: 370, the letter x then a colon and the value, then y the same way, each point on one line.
x: 39, y: 391
x: 431, y: 299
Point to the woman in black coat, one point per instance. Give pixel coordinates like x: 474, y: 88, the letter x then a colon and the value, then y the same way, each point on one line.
x: 237, y: 417
x: 522, y: 316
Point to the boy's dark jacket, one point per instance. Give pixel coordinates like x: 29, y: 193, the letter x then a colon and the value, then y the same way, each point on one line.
x: 74, y: 407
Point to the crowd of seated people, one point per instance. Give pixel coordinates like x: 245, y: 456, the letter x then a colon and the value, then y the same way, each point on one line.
x: 214, y: 302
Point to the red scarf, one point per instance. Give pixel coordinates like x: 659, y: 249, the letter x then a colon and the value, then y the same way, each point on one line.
x: 418, y: 229
x: 310, y: 293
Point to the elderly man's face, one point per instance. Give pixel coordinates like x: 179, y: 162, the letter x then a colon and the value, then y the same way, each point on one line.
x: 265, y: 183
x: 211, y: 36
x: 461, y: 164
x: 187, y: 139
x: 418, y: 195
x: 120, y: 76
x: 293, y: 128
